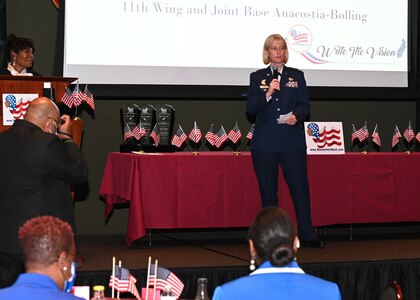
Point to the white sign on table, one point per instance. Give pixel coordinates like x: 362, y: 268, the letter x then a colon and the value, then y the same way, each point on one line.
x: 324, y: 137
x: 14, y: 106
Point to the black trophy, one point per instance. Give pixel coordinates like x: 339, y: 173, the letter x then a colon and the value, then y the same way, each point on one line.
x: 165, y: 115
x: 148, y: 120
x: 130, y: 116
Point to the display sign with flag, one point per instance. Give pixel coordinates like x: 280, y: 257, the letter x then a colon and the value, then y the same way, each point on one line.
x: 195, y: 133
x: 235, y: 134
x: 221, y: 137
x: 123, y: 281
x: 15, y: 106
x: 155, y: 134
x: 164, y: 278
x: 324, y: 138
x: 139, y: 131
x: 179, y: 137
x: 211, y: 136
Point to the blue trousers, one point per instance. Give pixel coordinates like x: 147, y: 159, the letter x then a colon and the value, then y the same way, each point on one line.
x: 294, y: 167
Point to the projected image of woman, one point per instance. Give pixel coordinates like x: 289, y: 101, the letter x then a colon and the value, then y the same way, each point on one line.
x: 20, y: 53
x: 278, y: 101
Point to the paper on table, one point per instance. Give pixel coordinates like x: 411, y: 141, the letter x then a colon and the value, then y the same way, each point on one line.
x: 145, y: 153
x: 282, y: 118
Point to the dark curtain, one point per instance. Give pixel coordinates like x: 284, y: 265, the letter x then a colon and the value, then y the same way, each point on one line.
x: 356, y: 280
x: 59, y: 46
x: 3, y: 34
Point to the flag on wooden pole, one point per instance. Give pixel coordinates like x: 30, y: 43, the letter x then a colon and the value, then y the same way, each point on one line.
x: 122, y: 280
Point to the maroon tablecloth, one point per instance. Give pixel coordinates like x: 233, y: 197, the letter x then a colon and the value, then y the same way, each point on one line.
x: 219, y: 189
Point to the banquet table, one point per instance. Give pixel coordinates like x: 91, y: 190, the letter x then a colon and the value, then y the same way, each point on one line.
x: 219, y: 189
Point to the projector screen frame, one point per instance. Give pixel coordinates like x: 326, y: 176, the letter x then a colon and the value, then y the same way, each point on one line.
x: 212, y: 92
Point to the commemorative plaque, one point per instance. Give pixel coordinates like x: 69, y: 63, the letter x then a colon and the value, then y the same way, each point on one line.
x: 130, y: 116
x: 165, y: 119
x: 147, y: 117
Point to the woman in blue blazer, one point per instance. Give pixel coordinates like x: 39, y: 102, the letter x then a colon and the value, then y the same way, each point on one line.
x: 278, y: 101
x: 273, y: 244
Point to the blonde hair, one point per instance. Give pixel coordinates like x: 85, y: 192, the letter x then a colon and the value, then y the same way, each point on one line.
x: 267, y: 44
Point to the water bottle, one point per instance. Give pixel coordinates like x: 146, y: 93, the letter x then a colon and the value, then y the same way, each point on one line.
x: 202, y: 293
x: 98, y: 292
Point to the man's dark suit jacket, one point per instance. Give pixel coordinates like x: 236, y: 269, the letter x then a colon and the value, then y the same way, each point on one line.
x: 292, y: 97
x: 36, y: 170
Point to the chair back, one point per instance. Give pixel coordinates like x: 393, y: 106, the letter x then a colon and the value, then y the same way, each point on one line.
x: 393, y: 292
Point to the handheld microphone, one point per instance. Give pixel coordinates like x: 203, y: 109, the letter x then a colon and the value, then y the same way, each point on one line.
x: 276, y: 72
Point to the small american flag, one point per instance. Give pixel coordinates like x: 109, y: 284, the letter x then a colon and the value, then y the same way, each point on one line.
x: 179, y: 137
x: 210, y: 136
x: 221, y: 137
x: 67, y: 98
x: 78, y: 95
x: 195, y: 133
x: 124, y: 281
x: 127, y: 132
x: 375, y: 136
x: 366, y: 131
x: 353, y: 133
x: 235, y: 134
x: 88, y: 97
x: 139, y: 131
x: 155, y: 134
x: 360, y: 134
x: 396, y: 136
x: 418, y: 137
x: 164, y: 278
x: 409, y: 133
x: 250, y: 133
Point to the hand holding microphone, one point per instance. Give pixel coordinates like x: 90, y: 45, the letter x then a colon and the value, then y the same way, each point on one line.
x: 275, y: 72
x: 274, y: 84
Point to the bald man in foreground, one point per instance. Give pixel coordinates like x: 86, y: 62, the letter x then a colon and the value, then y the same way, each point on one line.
x: 38, y: 162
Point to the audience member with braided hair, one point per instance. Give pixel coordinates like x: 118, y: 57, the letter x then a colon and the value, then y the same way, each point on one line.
x: 273, y: 244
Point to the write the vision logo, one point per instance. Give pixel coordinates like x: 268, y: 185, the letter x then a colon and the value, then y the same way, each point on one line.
x: 299, y: 39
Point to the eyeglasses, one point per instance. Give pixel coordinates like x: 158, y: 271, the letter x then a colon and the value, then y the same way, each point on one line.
x: 57, y: 123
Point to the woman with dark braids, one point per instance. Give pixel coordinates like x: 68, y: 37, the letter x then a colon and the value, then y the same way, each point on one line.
x: 273, y: 244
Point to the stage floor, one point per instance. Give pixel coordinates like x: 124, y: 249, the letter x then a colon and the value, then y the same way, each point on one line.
x: 197, y: 249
